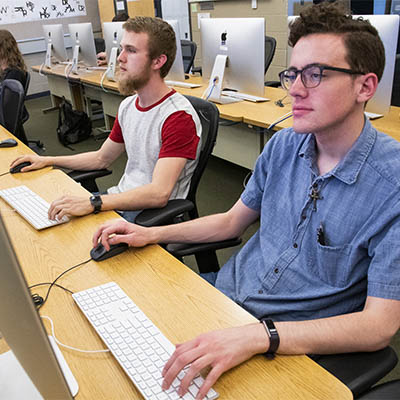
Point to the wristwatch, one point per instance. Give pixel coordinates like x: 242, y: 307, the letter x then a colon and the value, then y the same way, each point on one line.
x: 273, y: 337
x: 96, y: 202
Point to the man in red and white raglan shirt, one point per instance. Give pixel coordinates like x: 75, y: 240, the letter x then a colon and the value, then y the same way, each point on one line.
x: 157, y: 128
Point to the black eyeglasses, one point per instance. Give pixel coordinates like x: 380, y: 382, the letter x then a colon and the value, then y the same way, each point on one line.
x: 311, y: 75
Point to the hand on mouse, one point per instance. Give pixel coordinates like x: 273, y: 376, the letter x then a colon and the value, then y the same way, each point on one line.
x: 101, y: 59
x: 123, y: 231
x: 70, y: 205
x: 36, y: 161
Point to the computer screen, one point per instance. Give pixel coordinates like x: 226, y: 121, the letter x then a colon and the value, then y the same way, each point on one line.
x: 55, y: 47
x: 242, y: 40
x: 24, y: 333
x: 388, y: 29
x: 112, y: 33
x: 176, y: 73
x: 83, y: 40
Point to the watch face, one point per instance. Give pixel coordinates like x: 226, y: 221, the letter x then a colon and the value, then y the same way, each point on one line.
x: 96, y: 203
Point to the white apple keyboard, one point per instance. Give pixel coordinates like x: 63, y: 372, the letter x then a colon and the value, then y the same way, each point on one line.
x: 243, y: 96
x: 136, y: 343
x: 182, y: 84
x: 30, y: 206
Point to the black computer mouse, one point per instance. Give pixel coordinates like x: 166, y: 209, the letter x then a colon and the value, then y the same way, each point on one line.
x: 18, y: 167
x: 99, y: 253
x: 8, y: 143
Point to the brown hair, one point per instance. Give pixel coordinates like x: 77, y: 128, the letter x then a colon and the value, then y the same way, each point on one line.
x: 161, y: 38
x: 10, y: 56
x: 365, y: 50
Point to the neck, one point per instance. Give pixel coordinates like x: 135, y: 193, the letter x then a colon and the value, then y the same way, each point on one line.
x: 152, y: 92
x: 333, y: 145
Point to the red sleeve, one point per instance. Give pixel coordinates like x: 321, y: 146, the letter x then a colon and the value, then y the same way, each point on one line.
x: 116, y: 132
x: 179, y: 136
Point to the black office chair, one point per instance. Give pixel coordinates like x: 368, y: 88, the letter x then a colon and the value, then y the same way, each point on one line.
x: 396, y: 83
x: 270, y: 47
x: 189, y: 49
x: 359, y: 371
x: 12, y: 96
x: 179, y: 210
x: 100, y: 45
x: 385, y: 391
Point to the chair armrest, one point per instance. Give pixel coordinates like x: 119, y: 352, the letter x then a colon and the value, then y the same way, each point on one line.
x: 164, y: 215
x: 180, y: 250
x: 87, y: 178
x: 359, y: 371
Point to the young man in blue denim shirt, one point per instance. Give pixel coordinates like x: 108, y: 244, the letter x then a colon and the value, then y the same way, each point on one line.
x: 325, y: 263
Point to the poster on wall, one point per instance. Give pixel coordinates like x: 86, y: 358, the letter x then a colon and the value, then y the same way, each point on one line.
x: 15, y: 11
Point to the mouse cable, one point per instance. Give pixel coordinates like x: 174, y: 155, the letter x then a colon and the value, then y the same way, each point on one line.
x: 5, y: 173
x: 65, y: 345
x: 37, y: 299
x: 280, y: 119
x: 58, y: 277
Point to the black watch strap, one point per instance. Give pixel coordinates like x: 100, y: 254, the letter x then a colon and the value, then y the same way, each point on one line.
x: 96, y: 202
x: 273, y: 337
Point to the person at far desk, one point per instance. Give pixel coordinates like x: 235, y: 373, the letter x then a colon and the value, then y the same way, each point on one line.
x: 102, y: 56
x: 323, y: 271
x: 157, y: 127
x: 12, y: 64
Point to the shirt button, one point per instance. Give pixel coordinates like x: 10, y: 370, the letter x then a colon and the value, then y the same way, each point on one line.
x: 260, y: 292
x: 276, y: 270
x: 295, y: 245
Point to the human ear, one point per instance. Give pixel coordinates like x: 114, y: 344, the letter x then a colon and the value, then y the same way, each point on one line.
x: 159, y: 61
x: 368, y: 85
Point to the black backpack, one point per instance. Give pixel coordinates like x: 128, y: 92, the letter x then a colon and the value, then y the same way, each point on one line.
x: 73, y: 126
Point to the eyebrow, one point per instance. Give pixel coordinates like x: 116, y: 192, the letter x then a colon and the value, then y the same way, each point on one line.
x: 307, y: 66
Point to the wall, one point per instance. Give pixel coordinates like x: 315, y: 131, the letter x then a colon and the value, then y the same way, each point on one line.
x: 32, y: 44
x: 274, y: 12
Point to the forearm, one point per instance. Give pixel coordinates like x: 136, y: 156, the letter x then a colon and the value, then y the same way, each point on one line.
x: 146, y: 196
x: 83, y: 161
x: 340, y: 334
x: 211, y: 228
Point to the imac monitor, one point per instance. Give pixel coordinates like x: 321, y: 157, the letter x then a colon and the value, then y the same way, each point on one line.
x: 241, y: 41
x: 388, y: 29
x: 55, y: 47
x: 21, y: 326
x: 176, y: 73
x: 112, y: 32
x: 83, y: 44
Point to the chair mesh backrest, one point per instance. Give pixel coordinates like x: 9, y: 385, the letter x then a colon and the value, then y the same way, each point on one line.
x: 270, y: 46
x: 12, y: 96
x: 209, y: 116
x: 189, y: 49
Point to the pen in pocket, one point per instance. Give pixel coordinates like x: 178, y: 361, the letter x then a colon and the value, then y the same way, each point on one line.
x: 321, y: 235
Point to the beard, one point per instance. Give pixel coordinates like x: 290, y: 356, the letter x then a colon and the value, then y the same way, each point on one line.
x: 127, y: 86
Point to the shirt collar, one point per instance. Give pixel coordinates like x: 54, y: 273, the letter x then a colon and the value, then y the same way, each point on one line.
x: 348, y: 168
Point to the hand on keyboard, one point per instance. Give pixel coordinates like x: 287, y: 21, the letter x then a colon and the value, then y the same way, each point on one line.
x: 70, y: 205
x: 221, y: 350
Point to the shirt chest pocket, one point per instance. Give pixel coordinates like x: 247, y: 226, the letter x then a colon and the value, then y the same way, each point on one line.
x: 331, y: 264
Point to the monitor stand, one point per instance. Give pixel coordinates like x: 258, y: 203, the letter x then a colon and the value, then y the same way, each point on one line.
x: 214, y: 90
x: 15, y: 383
x: 75, y: 58
x: 47, y: 62
x: 111, y: 64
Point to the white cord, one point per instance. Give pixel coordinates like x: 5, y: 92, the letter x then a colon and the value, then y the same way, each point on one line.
x: 280, y: 119
x: 41, y: 69
x: 102, y: 80
x: 69, y: 347
x: 65, y: 69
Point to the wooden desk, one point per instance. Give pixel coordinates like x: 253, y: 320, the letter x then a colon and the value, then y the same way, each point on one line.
x: 60, y: 86
x: 182, y: 304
